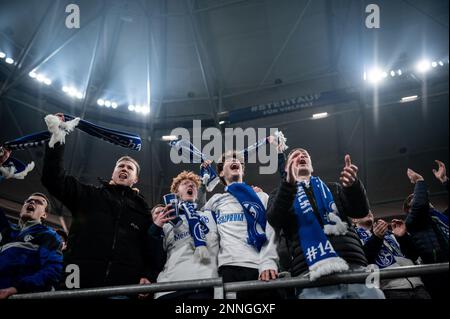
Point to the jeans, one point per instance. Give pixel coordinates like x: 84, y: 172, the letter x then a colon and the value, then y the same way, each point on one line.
x: 341, y: 291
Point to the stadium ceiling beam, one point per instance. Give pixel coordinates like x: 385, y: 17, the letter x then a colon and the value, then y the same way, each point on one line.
x: 50, y: 54
x: 24, y: 52
x: 197, y: 42
x: 285, y: 43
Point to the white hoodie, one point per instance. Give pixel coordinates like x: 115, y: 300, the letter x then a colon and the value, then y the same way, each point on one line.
x: 232, y: 228
x: 181, y: 264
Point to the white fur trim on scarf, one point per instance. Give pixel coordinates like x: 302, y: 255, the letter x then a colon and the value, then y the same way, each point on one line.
x: 281, y: 141
x: 10, y: 172
x: 59, y: 129
x: 339, y: 229
x: 327, y: 267
x: 202, y: 253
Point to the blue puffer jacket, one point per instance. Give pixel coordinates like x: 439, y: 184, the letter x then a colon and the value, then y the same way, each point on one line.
x: 30, y: 258
x: 431, y: 243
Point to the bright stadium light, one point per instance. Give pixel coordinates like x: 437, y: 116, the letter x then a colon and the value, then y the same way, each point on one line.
x: 221, y: 122
x: 392, y: 73
x: 138, y: 108
x: 101, y: 102
x: 9, y: 60
x: 423, y: 66
x: 441, y: 63
x: 47, y: 81
x: 65, y: 89
x: 399, y: 72
x: 2, y: 55
x: 131, y: 107
x: 320, y: 115
x: 169, y: 138
x: 114, y: 105
x: 72, y: 91
x: 146, y: 110
x: 107, y: 103
x: 40, y: 78
x: 434, y: 64
x: 409, y: 98
x: 375, y: 75
x: 32, y: 74
x: 79, y: 95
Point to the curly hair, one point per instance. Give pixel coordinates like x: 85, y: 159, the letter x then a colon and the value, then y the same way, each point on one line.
x: 182, y: 176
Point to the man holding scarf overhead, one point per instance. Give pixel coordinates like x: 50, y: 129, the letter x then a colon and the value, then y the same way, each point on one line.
x: 247, y: 249
x: 108, y: 238
x: 314, y: 217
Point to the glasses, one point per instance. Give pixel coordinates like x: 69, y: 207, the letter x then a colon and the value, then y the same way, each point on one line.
x: 33, y: 200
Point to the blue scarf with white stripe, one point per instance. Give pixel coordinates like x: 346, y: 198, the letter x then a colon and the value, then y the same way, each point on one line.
x: 320, y: 255
x: 389, y: 250
x: 254, y: 213
x: 197, y: 227
x: 124, y: 139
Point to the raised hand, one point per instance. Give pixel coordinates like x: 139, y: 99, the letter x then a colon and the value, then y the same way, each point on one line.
x: 291, y: 171
x: 349, y: 172
x: 162, y: 215
x: 398, y: 227
x: 380, y: 228
x: 441, y: 173
x: 413, y: 176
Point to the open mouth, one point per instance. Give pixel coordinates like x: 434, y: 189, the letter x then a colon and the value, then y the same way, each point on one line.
x: 190, y: 192
x: 302, y: 162
x: 234, y: 166
x: 30, y: 208
x: 123, y: 175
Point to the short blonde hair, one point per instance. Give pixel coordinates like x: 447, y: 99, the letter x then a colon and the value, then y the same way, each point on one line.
x: 176, y: 181
x: 132, y: 160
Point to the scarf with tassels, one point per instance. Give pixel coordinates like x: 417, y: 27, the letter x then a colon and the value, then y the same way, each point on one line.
x: 320, y: 255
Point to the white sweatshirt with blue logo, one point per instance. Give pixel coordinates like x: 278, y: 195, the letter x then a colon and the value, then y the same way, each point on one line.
x: 181, y: 264
x: 232, y: 228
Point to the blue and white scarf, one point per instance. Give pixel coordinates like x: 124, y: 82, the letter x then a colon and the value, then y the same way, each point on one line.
x: 58, y: 129
x: 190, y: 153
x: 389, y: 250
x: 441, y: 221
x: 281, y: 145
x: 320, y: 255
x: 13, y: 168
x: 197, y: 228
x: 254, y: 213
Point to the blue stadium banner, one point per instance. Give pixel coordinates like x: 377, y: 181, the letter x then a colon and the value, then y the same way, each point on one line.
x: 291, y: 105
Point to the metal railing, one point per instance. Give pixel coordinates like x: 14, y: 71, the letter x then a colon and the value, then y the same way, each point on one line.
x: 221, y: 288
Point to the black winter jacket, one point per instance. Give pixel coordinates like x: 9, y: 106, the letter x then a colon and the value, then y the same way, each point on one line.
x: 430, y: 243
x: 351, y: 202
x: 108, y: 237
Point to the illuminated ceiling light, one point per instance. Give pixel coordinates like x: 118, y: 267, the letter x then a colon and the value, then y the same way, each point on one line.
x: 375, y: 75
x: 364, y: 77
x: 392, y: 73
x: 138, y: 109
x: 434, y: 64
x: 399, y: 72
x: 101, y: 102
x: 72, y: 91
x: 384, y: 74
x: 320, y: 115
x: 441, y: 63
x: 169, y: 138
x: 79, y: 95
x: 107, y: 103
x: 409, y: 98
x: 131, y: 107
x: 32, y: 74
x: 2, y: 55
x: 114, y: 105
x: 65, y: 89
x: 9, y: 60
x: 146, y: 109
x: 47, y: 81
x: 221, y: 122
x: 423, y: 66
x: 40, y: 78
